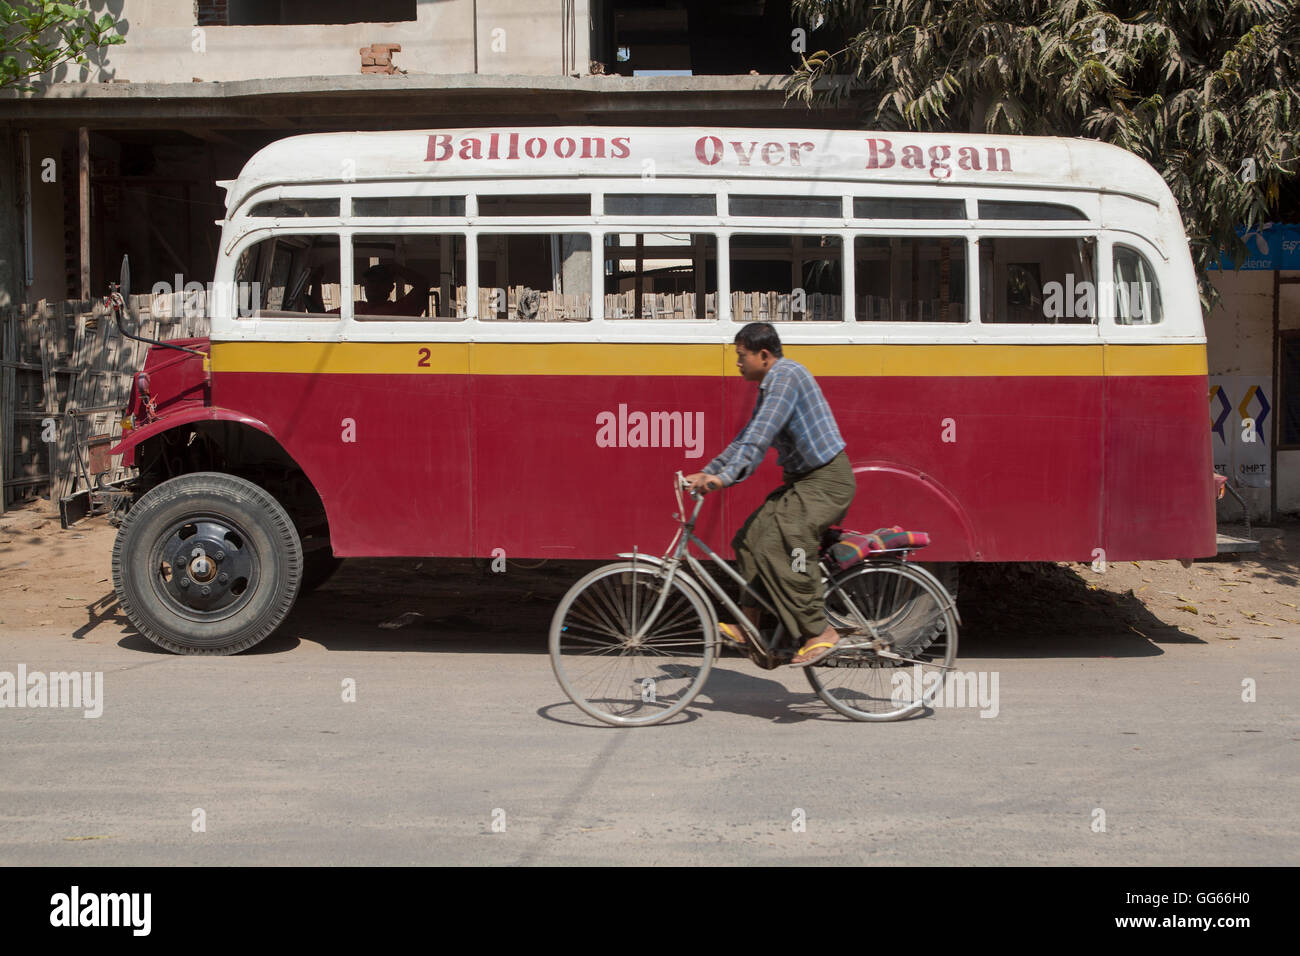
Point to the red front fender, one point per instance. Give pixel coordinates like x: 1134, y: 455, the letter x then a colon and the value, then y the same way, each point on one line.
x: 126, y: 448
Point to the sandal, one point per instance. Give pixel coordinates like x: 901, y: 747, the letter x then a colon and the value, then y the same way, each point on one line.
x: 811, y: 646
x: 732, y: 632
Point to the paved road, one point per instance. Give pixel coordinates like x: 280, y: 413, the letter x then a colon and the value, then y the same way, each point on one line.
x: 454, y: 720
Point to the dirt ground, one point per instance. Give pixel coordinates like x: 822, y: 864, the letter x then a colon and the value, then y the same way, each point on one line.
x: 60, y: 580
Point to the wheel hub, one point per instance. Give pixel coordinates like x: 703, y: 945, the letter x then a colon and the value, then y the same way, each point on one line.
x: 206, y: 565
x: 202, y: 568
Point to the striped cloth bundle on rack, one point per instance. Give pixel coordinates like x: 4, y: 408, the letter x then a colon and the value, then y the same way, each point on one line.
x: 853, y: 546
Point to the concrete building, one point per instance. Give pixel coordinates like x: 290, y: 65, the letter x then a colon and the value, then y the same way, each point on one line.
x: 200, y: 85
x: 1254, y: 362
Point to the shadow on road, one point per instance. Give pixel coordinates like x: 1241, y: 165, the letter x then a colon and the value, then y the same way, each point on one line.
x: 458, y: 605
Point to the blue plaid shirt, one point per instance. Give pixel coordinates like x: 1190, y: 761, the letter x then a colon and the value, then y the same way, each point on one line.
x: 791, y: 415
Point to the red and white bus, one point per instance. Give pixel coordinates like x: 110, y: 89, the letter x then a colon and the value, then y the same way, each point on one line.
x: 445, y: 343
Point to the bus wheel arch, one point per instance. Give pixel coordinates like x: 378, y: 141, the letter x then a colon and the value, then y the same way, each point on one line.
x: 233, y: 448
x: 248, y: 450
x: 890, y: 493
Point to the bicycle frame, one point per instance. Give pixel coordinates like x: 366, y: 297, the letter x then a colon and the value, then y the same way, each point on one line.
x: 678, y: 553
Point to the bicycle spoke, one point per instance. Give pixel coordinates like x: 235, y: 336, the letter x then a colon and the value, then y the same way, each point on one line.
x: 601, y: 594
x: 583, y: 624
x: 911, y: 616
x: 578, y: 639
x: 604, y: 613
x: 605, y: 671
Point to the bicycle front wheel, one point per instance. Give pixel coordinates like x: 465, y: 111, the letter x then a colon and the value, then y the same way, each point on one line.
x: 619, y: 660
x: 905, y: 609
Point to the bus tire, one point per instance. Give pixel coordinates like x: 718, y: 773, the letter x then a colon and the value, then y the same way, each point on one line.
x: 318, y: 567
x: 948, y: 573
x: 207, y: 563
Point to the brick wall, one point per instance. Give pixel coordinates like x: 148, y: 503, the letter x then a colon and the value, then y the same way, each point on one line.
x: 378, y: 57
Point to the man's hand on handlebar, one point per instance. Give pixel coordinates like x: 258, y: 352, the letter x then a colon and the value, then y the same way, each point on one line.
x: 701, y: 483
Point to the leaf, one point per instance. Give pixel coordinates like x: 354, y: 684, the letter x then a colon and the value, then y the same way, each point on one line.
x: 39, y: 36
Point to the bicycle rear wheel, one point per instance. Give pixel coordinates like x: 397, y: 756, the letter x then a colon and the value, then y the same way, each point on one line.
x: 904, y: 607
x: 614, y: 673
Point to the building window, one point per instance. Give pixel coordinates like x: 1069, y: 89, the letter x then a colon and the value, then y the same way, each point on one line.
x: 217, y: 13
x: 733, y: 37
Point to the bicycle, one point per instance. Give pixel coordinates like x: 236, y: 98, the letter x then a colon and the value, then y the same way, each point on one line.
x: 632, y: 642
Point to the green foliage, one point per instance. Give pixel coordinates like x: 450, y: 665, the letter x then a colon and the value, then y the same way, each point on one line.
x: 1195, y: 87
x: 36, y: 36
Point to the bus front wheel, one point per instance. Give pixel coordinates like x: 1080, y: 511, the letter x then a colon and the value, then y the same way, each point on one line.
x: 207, y: 563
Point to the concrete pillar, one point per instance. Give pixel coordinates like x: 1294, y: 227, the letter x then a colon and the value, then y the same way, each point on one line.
x: 575, y: 253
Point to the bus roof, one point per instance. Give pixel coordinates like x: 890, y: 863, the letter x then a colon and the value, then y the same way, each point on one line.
x: 685, y: 153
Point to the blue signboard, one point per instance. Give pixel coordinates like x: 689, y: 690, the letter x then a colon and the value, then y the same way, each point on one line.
x: 1275, y: 246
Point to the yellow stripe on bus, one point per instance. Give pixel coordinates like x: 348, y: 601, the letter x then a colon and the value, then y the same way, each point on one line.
x: 1156, y: 360
x: 701, y: 359
x: 341, y: 358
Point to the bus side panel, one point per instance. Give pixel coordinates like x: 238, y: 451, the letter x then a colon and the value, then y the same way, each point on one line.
x: 1159, y: 468
x: 387, y: 453
x: 564, y: 467
x: 1018, y: 458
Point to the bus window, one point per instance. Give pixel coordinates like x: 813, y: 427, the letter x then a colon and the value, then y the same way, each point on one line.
x: 535, y: 205
x: 291, y: 276
x: 1137, y: 293
x: 661, y: 276
x: 544, y: 277
x: 295, y: 208
x: 910, y: 279
x: 787, y: 207
x: 777, y: 278
x: 1022, y: 211
x: 389, y: 206
x: 661, y: 204
x: 885, y: 207
x: 1039, y: 280
x: 408, y: 276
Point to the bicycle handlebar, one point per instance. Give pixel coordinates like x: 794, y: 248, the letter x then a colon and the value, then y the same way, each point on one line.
x: 679, y: 484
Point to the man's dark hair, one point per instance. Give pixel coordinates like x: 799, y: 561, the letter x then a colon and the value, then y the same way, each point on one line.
x: 757, y: 336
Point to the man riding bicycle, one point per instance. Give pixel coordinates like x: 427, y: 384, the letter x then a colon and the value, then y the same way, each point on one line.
x: 791, y: 415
